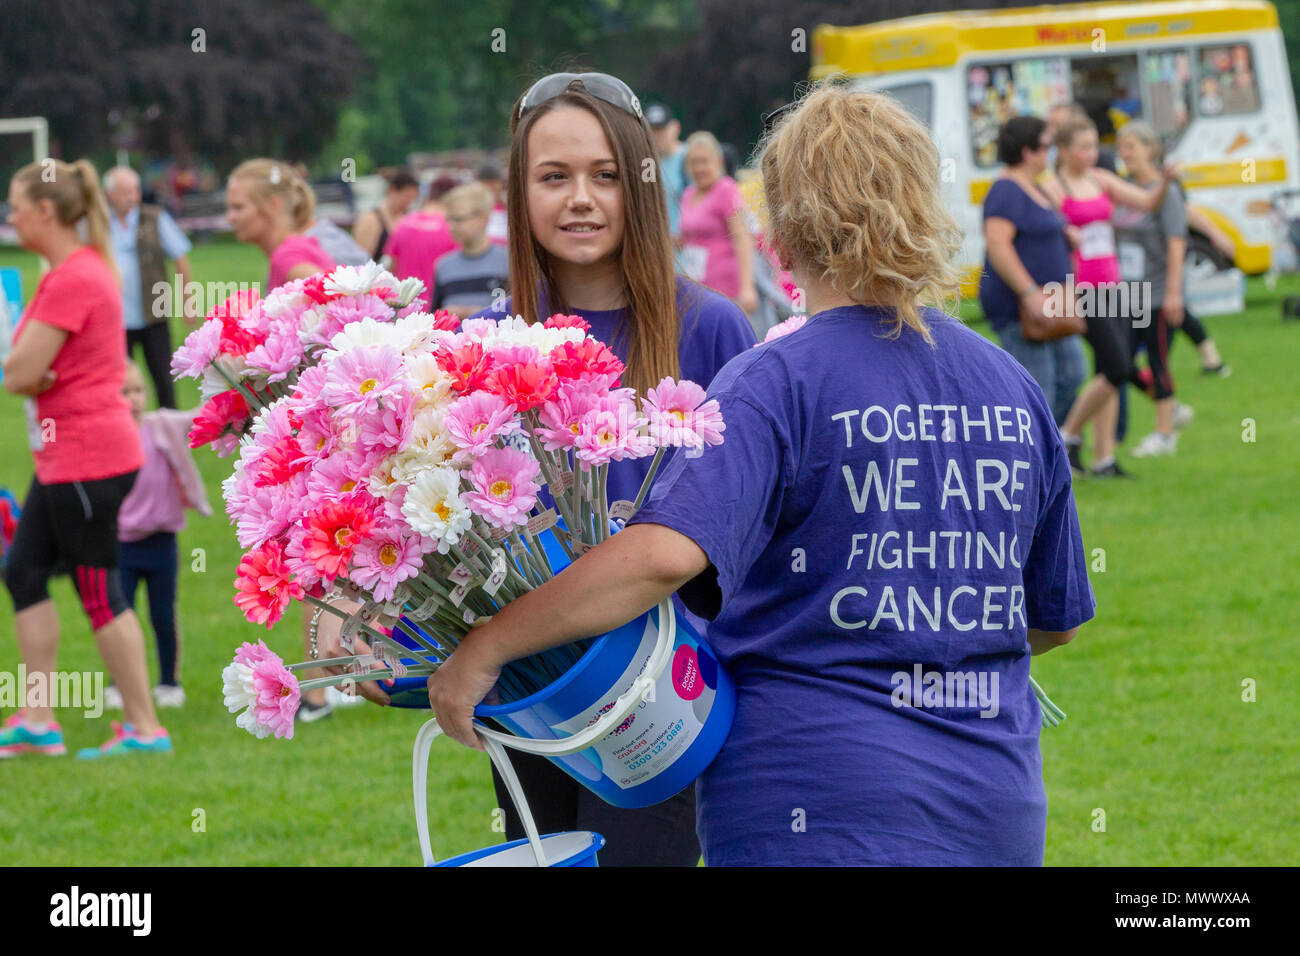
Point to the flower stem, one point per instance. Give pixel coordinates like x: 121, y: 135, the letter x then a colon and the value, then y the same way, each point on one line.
x: 649, y: 477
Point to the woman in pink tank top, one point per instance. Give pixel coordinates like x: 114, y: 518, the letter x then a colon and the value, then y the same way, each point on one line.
x: 1086, y: 196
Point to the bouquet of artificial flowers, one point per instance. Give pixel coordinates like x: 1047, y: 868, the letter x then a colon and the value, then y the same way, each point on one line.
x: 401, y: 464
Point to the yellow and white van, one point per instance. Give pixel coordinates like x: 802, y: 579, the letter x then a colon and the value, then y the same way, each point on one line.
x: 1210, y: 75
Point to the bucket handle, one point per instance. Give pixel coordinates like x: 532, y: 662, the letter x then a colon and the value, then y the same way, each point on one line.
x: 423, y: 744
x: 617, y: 713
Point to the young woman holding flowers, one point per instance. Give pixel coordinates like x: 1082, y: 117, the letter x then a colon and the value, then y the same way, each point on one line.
x: 69, y: 358
x: 776, y: 536
x: 588, y: 234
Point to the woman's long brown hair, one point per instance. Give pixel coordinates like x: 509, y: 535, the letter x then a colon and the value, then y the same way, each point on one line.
x: 653, y: 324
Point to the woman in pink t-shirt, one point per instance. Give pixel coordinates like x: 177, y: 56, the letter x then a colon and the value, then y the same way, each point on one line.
x: 268, y: 205
x: 717, y: 248
x: 69, y: 358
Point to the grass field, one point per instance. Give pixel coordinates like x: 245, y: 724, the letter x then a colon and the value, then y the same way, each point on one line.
x: 1199, y: 593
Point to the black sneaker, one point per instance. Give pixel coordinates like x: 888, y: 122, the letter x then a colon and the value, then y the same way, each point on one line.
x: 1113, y: 470
x: 1072, y: 451
x: 1222, y: 370
x: 310, y: 713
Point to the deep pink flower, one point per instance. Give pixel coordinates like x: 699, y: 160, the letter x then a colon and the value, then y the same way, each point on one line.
x: 264, y: 584
x: 679, y: 415
x: 561, y: 321
x: 467, y: 364
x: 333, y: 532
x: 220, y: 421
x: 524, y: 386
x: 445, y: 320
x: 475, y: 421
x: 589, y: 359
x: 505, y: 486
x: 559, y: 418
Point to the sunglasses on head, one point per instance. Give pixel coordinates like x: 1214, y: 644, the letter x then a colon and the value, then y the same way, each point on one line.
x: 600, y: 85
x: 771, y: 119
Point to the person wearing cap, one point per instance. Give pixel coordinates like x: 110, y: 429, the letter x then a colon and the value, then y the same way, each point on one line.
x: 672, y: 162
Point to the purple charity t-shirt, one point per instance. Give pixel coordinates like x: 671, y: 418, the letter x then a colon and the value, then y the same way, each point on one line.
x: 713, y: 331
x: 880, y: 515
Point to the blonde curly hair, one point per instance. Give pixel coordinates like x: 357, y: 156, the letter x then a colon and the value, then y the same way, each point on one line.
x: 851, y: 188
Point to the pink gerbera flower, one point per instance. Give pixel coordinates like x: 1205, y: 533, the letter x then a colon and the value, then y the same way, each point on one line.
x: 679, y: 415
x: 475, y: 421
x: 264, y: 584
x: 358, y: 380
x: 200, y: 348
x: 278, y: 696
x: 505, y: 487
x: 445, y: 320
x: 386, y: 559
x: 559, y: 419
x: 611, y: 432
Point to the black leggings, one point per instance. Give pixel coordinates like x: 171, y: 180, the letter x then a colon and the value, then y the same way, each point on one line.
x: 1195, y: 329
x: 156, y: 341
x: 153, y: 560
x: 1155, y: 336
x: 70, y: 528
x: 1109, y: 337
x: 662, y: 835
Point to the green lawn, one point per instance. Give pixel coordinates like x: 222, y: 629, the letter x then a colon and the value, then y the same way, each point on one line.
x: 1198, y: 594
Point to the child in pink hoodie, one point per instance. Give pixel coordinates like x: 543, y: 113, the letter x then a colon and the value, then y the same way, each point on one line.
x: 151, y: 515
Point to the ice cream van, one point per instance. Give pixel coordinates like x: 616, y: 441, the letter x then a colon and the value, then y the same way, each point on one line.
x: 1210, y: 75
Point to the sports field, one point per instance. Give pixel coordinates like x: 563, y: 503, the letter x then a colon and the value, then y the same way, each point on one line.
x: 1197, y: 607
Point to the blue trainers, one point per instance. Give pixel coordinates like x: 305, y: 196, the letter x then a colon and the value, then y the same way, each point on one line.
x: 125, y: 740
x: 21, y: 736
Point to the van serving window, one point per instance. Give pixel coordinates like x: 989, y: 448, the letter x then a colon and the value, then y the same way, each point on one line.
x: 1226, y: 84
x: 917, y: 99
x: 995, y: 92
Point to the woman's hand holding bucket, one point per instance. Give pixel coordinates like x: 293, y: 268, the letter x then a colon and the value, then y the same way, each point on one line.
x: 459, y: 685
x: 329, y: 644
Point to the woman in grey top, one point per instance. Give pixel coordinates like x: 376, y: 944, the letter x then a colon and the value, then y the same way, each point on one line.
x: 1152, y: 247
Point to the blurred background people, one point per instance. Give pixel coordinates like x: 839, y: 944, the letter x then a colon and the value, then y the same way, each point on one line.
x: 145, y: 236
x: 466, y: 279
x: 1026, y: 248
x: 422, y: 238
x: 372, y: 228
x: 717, y: 247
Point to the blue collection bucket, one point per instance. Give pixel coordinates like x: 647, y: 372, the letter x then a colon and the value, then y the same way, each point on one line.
x: 575, y: 848
x: 635, y: 720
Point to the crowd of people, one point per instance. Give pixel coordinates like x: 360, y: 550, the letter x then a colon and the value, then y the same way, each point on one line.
x: 1063, y: 232
x: 672, y: 273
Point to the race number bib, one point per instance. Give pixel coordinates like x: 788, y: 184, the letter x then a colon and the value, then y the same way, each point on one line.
x: 34, y: 439
x: 1132, y: 261
x: 1097, y: 241
x: 695, y: 260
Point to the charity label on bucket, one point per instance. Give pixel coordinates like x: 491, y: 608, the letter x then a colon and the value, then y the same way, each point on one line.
x: 664, y: 725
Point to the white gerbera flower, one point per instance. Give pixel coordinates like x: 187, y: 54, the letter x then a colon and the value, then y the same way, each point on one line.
x: 432, y: 386
x: 366, y: 332
x: 238, y: 687
x: 213, y: 383
x: 358, y: 280
x: 433, y: 507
